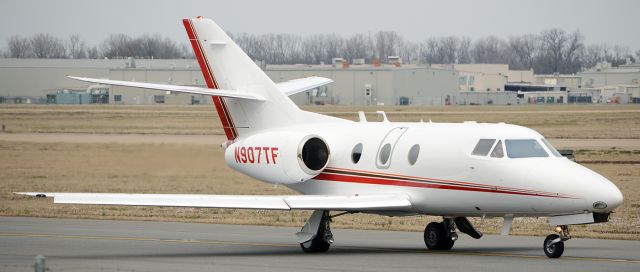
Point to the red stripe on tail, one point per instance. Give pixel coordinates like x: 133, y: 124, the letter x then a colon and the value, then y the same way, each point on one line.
x: 225, y: 117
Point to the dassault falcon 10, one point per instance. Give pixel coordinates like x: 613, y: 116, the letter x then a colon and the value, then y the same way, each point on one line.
x: 453, y: 170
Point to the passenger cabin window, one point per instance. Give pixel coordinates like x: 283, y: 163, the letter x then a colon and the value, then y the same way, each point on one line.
x: 528, y: 148
x: 413, y: 154
x: 385, y: 153
x: 497, y: 151
x: 356, y: 153
x: 551, y: 148
x: 483, y: 147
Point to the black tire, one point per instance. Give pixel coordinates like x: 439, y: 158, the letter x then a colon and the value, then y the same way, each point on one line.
x: 555, y: 250
x: 436, y: 238
x: 317, y: 245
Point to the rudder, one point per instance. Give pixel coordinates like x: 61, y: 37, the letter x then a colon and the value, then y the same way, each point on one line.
x: 225, y: 66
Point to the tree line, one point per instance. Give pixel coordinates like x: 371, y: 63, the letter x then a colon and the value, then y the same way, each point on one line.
x: 550, y: 51
x: 45, y: 46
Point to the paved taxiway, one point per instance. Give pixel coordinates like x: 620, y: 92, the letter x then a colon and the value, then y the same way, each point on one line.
x: 106, y: 245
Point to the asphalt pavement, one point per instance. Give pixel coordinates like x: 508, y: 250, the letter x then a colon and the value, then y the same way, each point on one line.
x: 108, y: 245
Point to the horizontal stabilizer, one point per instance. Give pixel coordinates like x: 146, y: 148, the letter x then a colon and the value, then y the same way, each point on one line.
x: 384, y: 202
x: 302, y: 84
x: 174, y: 88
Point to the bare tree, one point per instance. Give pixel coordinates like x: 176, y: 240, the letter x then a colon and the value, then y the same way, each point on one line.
x: 560, y: 52
x: 638, y: 55
x: 593, y: 54
x: 523, y: 51
x: 490, y: 49
x: 313, y: 47
x: 409, y: 52
x: 76, y: 47
x: 93, y: 52
x: 46, y: 46
x: 620, y: 55
x: 333, y: 46
x: 186, y: 51
x: 119, y: 46
x: 19, y: 47
x: 154, y: 46
x: 572, y: 53
x: 464, y: 50
x: 387, y: 44
x: 358, y: 46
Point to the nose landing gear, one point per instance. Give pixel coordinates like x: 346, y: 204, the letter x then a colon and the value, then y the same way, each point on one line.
x: 553, y: 245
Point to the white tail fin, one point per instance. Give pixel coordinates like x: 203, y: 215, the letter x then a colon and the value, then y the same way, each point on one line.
x: 225, y: 66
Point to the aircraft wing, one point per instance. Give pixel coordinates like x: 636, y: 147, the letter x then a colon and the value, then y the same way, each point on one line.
x: 381, y: 202
x: 302, y: 84
x: 174, y: 88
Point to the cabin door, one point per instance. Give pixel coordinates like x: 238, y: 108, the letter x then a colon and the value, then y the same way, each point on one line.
x: 387, y: 145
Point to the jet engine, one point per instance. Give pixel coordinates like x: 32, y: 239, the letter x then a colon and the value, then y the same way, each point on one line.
x: 282, y: 157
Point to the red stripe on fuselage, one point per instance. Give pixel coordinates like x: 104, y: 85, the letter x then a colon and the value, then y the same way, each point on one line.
x: 395, y: 182
x: 345, y: 171
x: 225, y: 117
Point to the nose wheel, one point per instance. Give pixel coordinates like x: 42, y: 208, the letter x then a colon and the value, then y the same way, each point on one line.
x: 553, y: 245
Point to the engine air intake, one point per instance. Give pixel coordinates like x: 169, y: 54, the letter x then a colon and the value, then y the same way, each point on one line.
x: 315, y: 154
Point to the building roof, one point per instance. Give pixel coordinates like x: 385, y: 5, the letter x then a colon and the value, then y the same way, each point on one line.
x: 365, y: 67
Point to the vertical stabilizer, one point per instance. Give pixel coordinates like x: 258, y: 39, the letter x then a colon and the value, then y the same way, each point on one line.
x: 225, y: 66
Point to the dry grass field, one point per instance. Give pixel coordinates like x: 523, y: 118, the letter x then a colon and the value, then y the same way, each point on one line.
x: 200, y: 168
x: 553, y: 121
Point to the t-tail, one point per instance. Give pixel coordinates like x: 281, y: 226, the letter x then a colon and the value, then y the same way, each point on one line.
x: 245, y: 98
x: 224, y: 65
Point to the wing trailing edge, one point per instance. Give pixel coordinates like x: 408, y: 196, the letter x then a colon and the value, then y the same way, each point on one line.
x: 381, y: 202
x: 295, y: 86
x: 174, y: 88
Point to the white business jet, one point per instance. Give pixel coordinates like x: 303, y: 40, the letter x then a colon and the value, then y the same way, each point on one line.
x: 453, y: 170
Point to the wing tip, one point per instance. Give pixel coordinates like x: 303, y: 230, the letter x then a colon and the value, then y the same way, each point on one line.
x: 36, y: 194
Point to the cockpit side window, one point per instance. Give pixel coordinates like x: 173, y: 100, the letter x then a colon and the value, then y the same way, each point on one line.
x: 483, y: 147
x: 551, y: 148
x: 497, y: 151
x: 526, y: 148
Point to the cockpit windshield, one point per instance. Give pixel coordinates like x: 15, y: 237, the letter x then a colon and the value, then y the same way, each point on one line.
x: 551, y: 148
x: 525, y: 148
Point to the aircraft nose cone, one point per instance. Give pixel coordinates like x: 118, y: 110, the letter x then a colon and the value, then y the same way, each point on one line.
x: 609, y: 197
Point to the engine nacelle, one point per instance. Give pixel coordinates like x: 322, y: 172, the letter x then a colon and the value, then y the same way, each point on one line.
x: 282, y: 157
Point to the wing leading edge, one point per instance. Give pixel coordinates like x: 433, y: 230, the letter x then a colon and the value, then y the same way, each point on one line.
x: 382, y: 202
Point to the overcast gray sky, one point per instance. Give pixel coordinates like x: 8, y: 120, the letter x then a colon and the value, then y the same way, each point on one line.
x: 610, y: 21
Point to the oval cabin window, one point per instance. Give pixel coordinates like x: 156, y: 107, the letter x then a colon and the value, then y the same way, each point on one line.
x: 413, y: 154
x: 356, y: 153
x: 385, y: 153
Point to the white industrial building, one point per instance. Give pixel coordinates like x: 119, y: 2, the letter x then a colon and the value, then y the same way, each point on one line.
x: 45, y: 81
x: 354, y: 85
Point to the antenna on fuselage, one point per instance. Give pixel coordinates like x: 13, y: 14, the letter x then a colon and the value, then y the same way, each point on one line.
x: 363, y: 119
x: 384, y: 116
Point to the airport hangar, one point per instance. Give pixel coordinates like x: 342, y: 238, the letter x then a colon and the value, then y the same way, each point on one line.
x: 44, y: 81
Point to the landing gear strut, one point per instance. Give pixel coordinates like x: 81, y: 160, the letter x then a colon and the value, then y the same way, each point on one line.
x: 321, y: 239
x: 440, y: 236
x: 554, y: 243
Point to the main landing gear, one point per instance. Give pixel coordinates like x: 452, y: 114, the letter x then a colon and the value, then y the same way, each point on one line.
x: 316, y: 236
x: 442, y: 236
x: 553, y: 245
